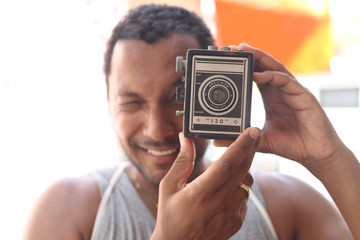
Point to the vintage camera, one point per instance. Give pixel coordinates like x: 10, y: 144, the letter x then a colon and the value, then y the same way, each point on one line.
x: 217, y: 93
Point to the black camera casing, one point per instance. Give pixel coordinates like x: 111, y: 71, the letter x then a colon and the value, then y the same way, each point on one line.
x: 218, y: 90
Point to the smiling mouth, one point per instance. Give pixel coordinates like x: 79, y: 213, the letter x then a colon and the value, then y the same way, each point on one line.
x: 161, y: 153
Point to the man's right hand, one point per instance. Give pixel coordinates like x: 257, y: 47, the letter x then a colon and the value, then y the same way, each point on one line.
x: 212, y: 206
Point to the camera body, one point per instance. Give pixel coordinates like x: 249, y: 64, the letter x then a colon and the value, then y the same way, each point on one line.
x: 217, y: 94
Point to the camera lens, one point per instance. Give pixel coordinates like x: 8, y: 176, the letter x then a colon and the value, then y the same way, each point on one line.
x: 219, y: 95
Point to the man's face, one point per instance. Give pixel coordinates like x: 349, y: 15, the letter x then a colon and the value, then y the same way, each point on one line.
x: 142, y: 104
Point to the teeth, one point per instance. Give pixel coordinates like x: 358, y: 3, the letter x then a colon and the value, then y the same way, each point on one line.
x: 161, y: 153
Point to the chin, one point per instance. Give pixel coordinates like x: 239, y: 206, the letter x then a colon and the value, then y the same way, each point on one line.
x: 157, y: 175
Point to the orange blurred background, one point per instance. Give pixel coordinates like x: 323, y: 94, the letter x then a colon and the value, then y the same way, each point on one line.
x: 296, y: 32
x: 298, y: 36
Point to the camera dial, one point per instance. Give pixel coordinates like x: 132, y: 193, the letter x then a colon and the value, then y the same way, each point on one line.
x: 218, y: 95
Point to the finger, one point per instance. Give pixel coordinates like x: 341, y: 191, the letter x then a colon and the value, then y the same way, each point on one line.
x: 234, y: 160
x: 182, y: 167
x: 241, y: 201
x: 233, y: 187
x: 292, y: 89
x: 234, y: 183
x: 248, y: 182
x: 264, y: 60
x: 243, y: 210
x: 222, y: 143
x: 276, y: 78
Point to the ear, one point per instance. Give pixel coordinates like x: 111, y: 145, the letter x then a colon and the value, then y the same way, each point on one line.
x: 110, y: 111
x: 109, y: 100
x: 107, y: 94
x: 109, y: 108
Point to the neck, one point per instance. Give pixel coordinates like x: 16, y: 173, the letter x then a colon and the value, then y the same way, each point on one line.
x: 149, y: 192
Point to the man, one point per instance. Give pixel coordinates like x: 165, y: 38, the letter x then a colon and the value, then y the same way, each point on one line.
x: 168, y: 190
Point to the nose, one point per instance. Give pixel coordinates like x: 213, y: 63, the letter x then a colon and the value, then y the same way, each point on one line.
x: 160, y: 123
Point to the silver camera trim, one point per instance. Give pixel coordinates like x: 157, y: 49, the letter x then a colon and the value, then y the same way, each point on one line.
x: 215, y: 68
x: 206, y: 106
x: 217, y: 92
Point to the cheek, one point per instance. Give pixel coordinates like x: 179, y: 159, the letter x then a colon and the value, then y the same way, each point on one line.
x: 179, y: 123
x: 126, y: 126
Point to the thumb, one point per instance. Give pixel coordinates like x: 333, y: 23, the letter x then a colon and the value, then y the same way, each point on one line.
x: 182, y: 167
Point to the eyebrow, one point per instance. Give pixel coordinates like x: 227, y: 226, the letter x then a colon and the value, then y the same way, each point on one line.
x: 133, y: 94
x: 127, y: 94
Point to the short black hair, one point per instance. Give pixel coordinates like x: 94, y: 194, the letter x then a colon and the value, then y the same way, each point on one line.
x: 151, y: 23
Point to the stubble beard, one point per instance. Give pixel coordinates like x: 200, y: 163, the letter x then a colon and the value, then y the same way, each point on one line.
x: 155, y: 181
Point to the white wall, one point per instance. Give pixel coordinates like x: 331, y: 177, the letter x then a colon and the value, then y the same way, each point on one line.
x: 53, y: 110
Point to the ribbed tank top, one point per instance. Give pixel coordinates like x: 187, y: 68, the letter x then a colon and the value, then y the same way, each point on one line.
x: 126, y: 217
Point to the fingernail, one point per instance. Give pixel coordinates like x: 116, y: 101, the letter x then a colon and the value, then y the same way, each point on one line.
x: 181, y: 137
x: 244, y: 45
x: 233, y: 47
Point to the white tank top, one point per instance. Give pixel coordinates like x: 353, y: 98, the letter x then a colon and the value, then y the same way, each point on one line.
x: 123, y: 215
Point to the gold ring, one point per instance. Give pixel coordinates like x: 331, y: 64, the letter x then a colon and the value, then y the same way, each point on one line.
x: 246, y: 188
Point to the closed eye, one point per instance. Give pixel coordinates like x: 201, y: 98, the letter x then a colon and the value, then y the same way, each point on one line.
x: 175, y: 104
x: 131, y: 106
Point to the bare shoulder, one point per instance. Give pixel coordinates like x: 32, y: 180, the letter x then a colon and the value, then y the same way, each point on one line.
x: 298, y: 211
x: 66, y: 210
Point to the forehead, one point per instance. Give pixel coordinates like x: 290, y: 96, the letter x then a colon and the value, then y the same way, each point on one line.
x: 137, y: 49
x: 136, y: 62
x: 164, y: 49
x: 137, y: 56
